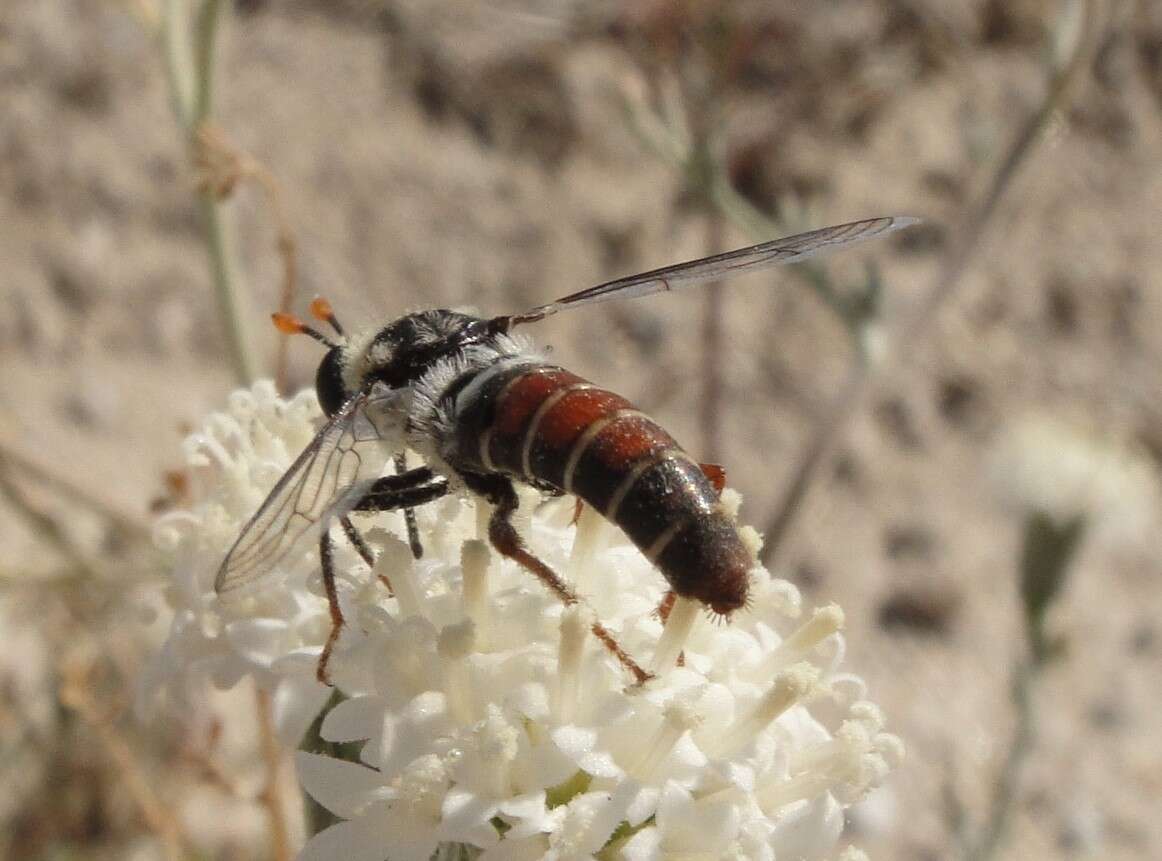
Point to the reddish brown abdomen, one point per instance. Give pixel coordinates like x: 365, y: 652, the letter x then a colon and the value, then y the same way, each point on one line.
x: 546, y: 425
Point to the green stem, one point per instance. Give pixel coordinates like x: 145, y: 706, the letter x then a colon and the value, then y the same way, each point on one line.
x: 179, y: 74
x: 231, y: 305
x: 204, y: 55
x: 190, y: 71
x: 1003, y: 802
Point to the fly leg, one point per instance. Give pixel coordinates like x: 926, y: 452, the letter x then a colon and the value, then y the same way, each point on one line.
x: 409, y: 513
x: 362, y: 547
x: 498, y: 490
x: 390, y: 493
x: 327, y: 560
x: 356, y: 539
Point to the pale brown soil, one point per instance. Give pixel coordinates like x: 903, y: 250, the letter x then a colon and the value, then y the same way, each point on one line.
x: 433, y: 154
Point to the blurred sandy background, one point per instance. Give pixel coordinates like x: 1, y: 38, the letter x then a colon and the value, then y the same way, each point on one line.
x: 447, y: 153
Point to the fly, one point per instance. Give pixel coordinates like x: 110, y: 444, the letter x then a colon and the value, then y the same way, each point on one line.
x: 484, y: 411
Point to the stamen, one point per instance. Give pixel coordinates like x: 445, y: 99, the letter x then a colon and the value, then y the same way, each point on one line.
x: 456, y: 643
x: 571, y: 838
x: 396, y: 563
x: 321, y: 311
x: 846, y: 765
x: 474, y: 560
x: 575, y: 624
x: 789, y: 687
x: 678, y: 718
x: 498, y: 742
x: 421, y: 785
x: 585, y: 544
x: 483, y: 515
x: 802, y: 787
x: 683, y: 615
x: 824, y: 622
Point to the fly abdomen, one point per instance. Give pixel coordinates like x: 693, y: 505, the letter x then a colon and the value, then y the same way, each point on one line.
x: 546, y: 425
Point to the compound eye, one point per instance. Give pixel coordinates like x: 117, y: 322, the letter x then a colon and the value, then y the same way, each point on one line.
x: 329, y: 383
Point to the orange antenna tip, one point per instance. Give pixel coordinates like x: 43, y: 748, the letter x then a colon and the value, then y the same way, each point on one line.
x: 321, y: 309
x: 287, y: 324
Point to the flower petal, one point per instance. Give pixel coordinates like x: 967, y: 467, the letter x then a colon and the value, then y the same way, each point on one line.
x: 341, y: 787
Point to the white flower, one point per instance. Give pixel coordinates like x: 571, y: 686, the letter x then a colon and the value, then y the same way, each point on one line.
x: 1046, y: 466
x: 490, y: 716
x: 233, y: 461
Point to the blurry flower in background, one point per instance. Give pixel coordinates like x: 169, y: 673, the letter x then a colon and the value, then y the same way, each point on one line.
x: 1047, y: 466
x: 486, y: 715
x: 1066, y: 486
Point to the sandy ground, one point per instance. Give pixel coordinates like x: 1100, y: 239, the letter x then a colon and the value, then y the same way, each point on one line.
x: 429, y: 155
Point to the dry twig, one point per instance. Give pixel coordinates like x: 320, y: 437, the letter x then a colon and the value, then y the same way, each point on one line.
x: 76, y: 684
x: 833, y: 423
x: 271, y: 794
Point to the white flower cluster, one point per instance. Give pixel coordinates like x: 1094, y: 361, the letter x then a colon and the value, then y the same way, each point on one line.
x: 490, y: 717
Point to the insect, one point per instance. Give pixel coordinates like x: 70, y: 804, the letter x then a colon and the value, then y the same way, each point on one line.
x: 484, y: 411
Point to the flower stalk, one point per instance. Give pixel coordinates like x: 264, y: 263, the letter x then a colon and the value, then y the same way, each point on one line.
x: 191, y: 61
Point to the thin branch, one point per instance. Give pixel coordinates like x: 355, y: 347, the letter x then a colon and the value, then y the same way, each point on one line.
x: 72, y: 491
x: 271, y: 795
x: 178, y: 65
x: 222, y: 165
x: 1024, y: 737
x: 74, y: 693
x: 192, y: 90
x: 205, y: 50
x: 831, y: 427
x: 45, y: 525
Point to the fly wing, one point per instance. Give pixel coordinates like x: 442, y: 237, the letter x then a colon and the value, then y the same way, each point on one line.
x: 776, y: 252
x: 328, y: 477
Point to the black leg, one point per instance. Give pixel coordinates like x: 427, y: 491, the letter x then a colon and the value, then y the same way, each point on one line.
x: 498, y: 490
x: 390, y: 493
x: 377, y: 499
x: 365, y: 552
x: 404, y: 480
x: 409, y: 513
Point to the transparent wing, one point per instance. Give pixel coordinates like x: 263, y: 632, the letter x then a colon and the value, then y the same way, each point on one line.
x: 329, y: 476
x: 777, y: 252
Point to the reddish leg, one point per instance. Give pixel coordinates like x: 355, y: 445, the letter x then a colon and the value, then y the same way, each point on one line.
x: 503, y: 535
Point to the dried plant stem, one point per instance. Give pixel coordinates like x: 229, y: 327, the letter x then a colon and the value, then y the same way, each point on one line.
x: 1058, y: 93
x: 822, y: 441
x: 75, y: 686
x: 45, y: 525
x: 68, y: 488
x: 832, y: 424
x: 271, y: 795
x: 190, y: 70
